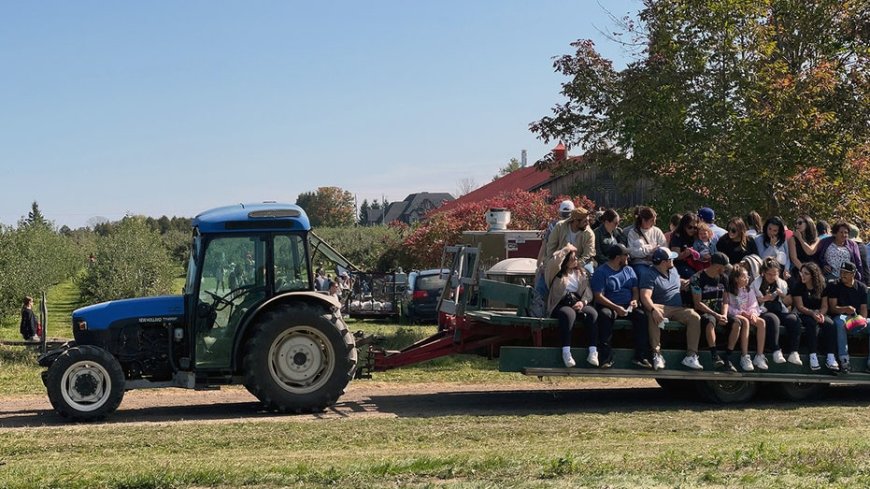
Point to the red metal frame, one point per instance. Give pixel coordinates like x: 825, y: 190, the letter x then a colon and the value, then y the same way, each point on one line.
x: 460, y: 336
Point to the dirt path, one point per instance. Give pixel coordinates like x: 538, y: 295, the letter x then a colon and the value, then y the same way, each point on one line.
x: 368, y: 399
x: 363, y: 399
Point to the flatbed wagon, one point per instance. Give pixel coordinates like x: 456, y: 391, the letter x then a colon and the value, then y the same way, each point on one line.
x: 494, y: 318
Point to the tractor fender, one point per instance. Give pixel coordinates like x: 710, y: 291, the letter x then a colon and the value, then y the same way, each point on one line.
x: 48, y: 358
x: 325, y: 301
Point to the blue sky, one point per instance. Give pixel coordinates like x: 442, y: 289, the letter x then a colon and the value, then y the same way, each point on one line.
x: 172, y: 108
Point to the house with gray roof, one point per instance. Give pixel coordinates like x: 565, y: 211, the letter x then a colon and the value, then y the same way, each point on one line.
x: 412, y: 209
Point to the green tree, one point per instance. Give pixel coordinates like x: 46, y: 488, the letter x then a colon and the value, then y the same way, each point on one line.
x: 35, y: 218
x: 130, y: 262
x: 328, y: 206
x: 512, y: 166
x: 733, y: 103
x: 364, y: 213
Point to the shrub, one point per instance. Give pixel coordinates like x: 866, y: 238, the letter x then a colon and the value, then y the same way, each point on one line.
x: 529, y: 210
x: 130, y: 262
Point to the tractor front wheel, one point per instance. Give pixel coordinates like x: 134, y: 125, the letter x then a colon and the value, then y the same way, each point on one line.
x: 299, y: 359
x: 85, y: 383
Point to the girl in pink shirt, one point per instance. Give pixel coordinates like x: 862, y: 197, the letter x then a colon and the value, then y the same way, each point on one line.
x: 743, y: 306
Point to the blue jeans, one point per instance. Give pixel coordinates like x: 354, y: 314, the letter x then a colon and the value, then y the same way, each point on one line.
x: 842, y: 338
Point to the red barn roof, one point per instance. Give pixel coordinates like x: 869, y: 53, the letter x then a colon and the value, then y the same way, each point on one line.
x: 528, y: 179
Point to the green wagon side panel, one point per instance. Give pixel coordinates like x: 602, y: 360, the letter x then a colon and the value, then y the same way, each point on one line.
x: 523, y: 358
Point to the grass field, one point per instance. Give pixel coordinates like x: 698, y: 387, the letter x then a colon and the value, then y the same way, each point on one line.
x: 811, y: 446
x: 598, y: 443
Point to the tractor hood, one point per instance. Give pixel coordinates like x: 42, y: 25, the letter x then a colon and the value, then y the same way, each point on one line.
x: 168, y: 308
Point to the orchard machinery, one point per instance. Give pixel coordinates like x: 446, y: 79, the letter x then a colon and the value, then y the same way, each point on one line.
x: 249, y: 315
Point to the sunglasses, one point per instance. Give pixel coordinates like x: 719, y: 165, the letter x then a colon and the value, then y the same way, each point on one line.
x: 691, y: 227
x: 732, y: 230
x: 801, y: 222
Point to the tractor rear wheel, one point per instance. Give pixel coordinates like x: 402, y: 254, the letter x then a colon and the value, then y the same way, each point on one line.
x: 299, y: 359
x: 85, y: 383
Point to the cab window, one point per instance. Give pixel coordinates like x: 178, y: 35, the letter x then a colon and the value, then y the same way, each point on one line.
x: 291, y: 267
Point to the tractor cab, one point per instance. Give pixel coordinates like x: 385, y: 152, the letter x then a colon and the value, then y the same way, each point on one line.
x: 241, y: 259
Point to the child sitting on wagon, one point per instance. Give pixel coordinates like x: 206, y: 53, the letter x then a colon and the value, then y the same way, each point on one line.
x: 743, y: 307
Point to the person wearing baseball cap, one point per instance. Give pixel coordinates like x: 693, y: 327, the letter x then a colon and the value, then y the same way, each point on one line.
x: 564, y: 212
x: 707, y: 215
x: 615, y: 289
x: 575, y: 230
x: 660, y: 287
x: 708, y: 293
x: 848, y: 299
x: 565, y: 208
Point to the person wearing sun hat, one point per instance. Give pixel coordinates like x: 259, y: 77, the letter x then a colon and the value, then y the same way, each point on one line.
x: 847, y: 301
x: 660, y: 287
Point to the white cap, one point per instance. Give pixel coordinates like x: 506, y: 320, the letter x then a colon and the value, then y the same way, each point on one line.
x: 566, y: 207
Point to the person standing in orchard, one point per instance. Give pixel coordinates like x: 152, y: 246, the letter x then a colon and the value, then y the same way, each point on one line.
x: 29, y: 324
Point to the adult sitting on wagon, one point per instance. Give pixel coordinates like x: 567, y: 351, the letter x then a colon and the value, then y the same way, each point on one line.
x: 565, y: 208
x: 753, y: 224
x: 707, y: 215
x: 644, y: 237
x: 736, y: 244
x: 772, y: 294
x: 811, y: 306
x: 615, y: 287
x: 772, y: 243
x: 574, y: 230
x: 855, y: 236
x: 837, y: 249
x: 660, y: 296
x: 847, y: 304
x: 682, y: 242
x: 607, y: 234
x: 570, y: 299
x: 802, y: 246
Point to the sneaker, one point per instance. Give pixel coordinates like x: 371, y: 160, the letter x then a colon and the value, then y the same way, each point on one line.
x: 831, y: 364
x: 692, y: 362
x: 814, y: 362
x: 718, y: 362
x: 794, y: 358
x: 746, y: 363
x: 760, y: 362
x: 607, y: 364
x: 845, y: 367
x: 658, y: 362
x: 642, y: 363
x: 35, y: 338
x: 592, y: 358
x: 777, y: 357
x: 728, y: 366
x: 568, y: 359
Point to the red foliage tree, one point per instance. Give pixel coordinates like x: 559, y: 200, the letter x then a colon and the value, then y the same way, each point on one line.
x: 529, y: 210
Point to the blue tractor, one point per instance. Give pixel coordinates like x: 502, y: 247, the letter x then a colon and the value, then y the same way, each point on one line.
x: 249, y: 314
